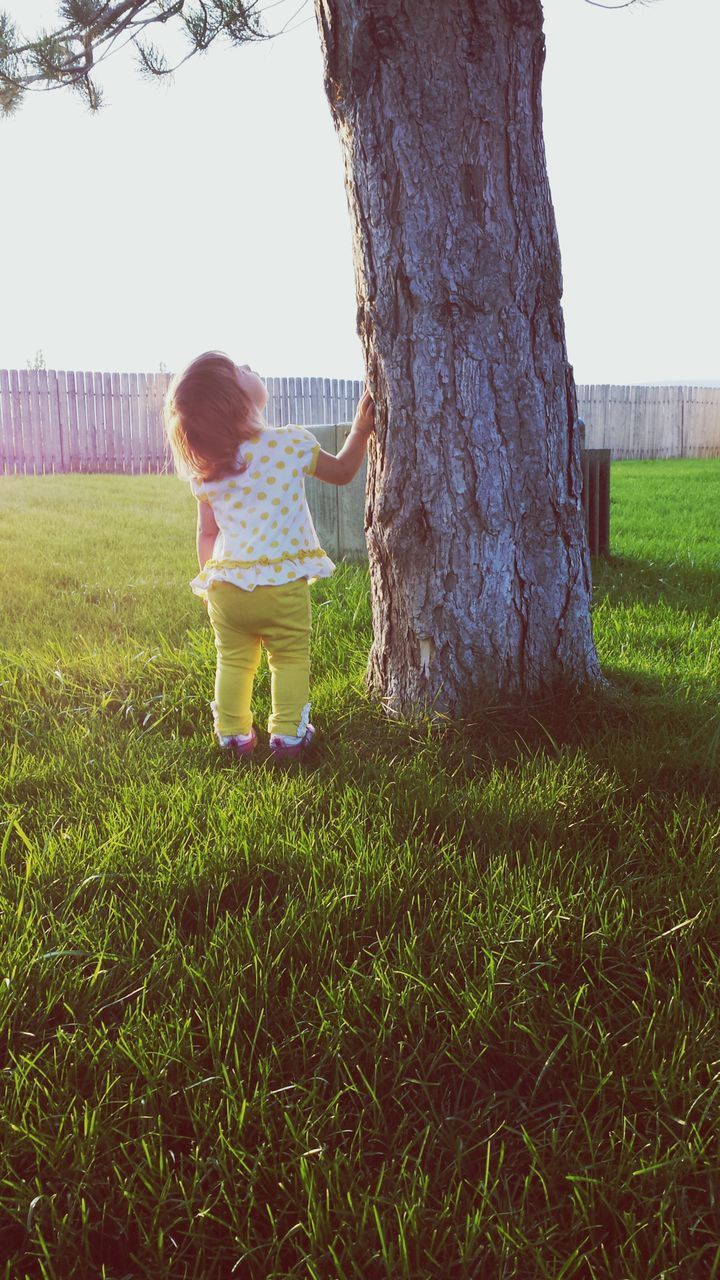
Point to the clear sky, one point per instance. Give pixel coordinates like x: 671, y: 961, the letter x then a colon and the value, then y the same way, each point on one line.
x: 211, y: 212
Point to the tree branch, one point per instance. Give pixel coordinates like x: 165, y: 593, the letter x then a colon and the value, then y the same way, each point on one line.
x: 66, y: 56
x: 628, y: 4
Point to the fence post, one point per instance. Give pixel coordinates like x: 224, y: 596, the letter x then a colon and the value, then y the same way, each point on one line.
x: 596, y: 499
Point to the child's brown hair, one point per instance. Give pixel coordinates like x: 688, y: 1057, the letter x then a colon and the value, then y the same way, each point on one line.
x: 208, y: 416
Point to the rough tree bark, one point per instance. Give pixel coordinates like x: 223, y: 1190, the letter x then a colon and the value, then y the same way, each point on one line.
x: 479, y: 564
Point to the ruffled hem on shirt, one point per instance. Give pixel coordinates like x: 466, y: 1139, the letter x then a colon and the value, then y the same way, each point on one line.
x: 264, y: 572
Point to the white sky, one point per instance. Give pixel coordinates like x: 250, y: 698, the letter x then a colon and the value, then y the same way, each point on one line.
x: 211, y: 212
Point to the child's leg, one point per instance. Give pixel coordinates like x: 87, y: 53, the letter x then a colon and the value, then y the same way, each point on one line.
x: 287, y: 640
x: 238, y: 655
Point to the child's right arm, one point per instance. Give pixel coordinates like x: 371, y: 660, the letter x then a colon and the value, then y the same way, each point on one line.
x: 341, y: 468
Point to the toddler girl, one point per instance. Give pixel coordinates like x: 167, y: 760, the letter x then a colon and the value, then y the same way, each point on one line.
x: 256, y: 542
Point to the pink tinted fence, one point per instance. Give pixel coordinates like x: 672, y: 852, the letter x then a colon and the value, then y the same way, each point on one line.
x: 72, y: 421
x: 65, y: 421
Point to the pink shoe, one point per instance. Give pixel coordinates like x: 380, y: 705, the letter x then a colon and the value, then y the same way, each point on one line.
x: 240, y: 748
x: 280, y: 750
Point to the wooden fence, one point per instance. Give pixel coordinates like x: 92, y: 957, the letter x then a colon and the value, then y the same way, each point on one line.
x: 66, y: 421
x: 652, y: 422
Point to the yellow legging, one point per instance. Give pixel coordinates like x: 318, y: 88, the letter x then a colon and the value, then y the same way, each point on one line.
x: 279, y: 618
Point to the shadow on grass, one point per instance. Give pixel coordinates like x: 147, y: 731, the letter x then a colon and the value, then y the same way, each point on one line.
x: 681, y: 583
x: 658, y: 734
x: 650, y: 733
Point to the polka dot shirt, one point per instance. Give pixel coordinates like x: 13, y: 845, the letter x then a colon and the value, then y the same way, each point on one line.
x: 266, y: 534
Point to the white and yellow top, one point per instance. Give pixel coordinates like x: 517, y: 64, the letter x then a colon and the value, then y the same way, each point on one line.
x: 266, y: 534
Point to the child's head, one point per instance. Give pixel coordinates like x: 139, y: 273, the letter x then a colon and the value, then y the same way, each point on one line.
x: 211, y: 408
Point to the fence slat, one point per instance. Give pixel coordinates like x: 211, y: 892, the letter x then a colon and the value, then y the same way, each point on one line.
x: 134, y: 421
x: 118, y: 424
x: 49, y: 390
x: 33, y: 418
x: 21, y: 411
x: 109, y: 420
x: 273, y: 417
x: 167, y: 455
x: 155, y: 421
x: 315, y: 402
x: 7, y: 462
x: 8, y: 454
x: 97, y: 407
x: 86, y: 417
x: 327, y: 400
x: 69, y: 404
x: 162, y: 382
x: 59, y: 405
x: 129, y: 442
x: 29, y: 423
x: 143, y: 440
x: 86, y: 460
x: 149, y: 425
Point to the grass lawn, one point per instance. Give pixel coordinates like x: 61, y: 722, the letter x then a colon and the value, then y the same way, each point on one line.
x: 429, y: 1007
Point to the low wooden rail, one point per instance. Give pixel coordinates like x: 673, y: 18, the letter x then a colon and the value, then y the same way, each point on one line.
x: 338, y: 513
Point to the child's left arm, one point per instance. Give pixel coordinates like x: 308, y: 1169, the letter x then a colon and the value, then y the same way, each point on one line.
x: 341, y: 468
x: 207, y: 532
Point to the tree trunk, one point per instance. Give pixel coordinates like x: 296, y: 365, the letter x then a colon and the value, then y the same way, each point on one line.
x: 479, y: 563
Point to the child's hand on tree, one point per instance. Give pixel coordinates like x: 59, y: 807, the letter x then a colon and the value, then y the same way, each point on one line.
x: 365, y: 415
